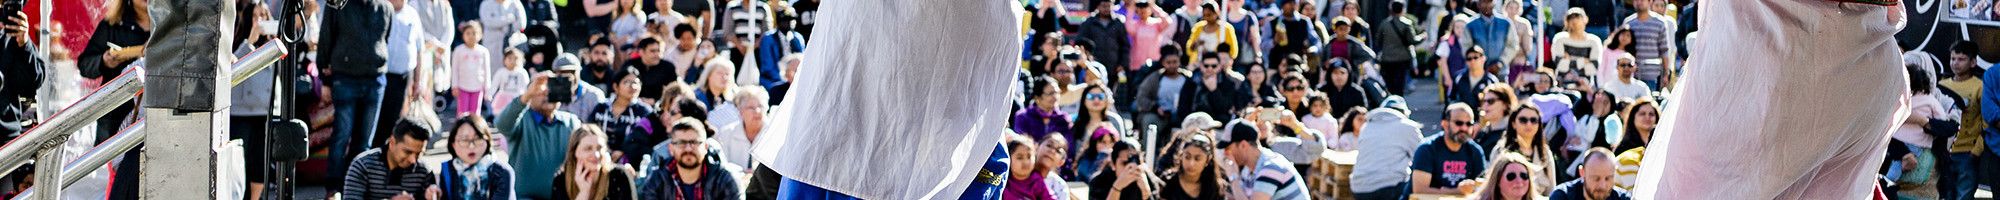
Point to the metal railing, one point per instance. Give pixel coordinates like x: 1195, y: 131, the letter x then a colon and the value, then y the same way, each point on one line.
x: 44, y: 140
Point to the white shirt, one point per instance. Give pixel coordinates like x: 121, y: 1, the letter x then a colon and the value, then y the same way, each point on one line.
x: 500, y: 20
x: 734, y: 143
x: 405, y: 41
x: 1626, y: 90
x: 506, y: 85
x: 470, y: 68
x: 875, y: 117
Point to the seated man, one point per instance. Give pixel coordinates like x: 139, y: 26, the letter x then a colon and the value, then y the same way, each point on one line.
x: 693, y: 167
x: 1596, y: 179
x: 1449, y: 162
x: 1265, y: 174
x: 391, y: 171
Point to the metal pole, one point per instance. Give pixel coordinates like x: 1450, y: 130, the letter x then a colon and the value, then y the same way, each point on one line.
x: 96, y: 157
x: 51, y: 169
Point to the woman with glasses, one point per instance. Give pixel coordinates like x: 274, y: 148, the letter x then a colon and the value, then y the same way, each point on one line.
x: 1525, y: 139
x: 1195, y: 175
x: 1097, y: 113
x: 1494, y: 108
x: 1511, y: 178
x: 471, y: 174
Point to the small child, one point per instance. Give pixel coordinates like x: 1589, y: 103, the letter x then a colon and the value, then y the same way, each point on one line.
x: 1321, y: 118
x: 471, y: 62
x: 509, y: 82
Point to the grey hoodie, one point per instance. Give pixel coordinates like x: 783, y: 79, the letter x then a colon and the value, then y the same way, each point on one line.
x: 1388, y: 140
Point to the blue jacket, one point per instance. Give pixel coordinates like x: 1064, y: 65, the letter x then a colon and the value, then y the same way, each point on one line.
x: 770, y: 52
x: 1990, y: 101
x: 1490, y: 33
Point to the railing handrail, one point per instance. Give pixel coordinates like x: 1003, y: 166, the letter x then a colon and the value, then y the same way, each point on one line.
x: 119, y: 90
x: 114, y: 93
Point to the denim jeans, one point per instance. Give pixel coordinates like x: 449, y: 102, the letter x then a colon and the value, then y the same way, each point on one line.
x: 356, y: 102
x: 1962, y: 177
x: 1398, y: 192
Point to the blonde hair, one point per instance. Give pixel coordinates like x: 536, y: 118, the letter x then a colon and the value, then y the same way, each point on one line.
x: 598, y: 187
x: 1491, y: 189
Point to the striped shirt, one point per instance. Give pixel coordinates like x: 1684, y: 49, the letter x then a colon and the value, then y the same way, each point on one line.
x: 1652, y: 44
x: 1275, y: 176
x: 370, y: 178
x: 746, y: 20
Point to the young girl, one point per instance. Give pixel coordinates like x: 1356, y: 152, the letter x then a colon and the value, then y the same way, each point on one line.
x: 509, y: 81
x: 470, y: 67
x: 471, y: 174
x: 1321, y: 119
x: 1913, y: 170
x: 1023, y: 182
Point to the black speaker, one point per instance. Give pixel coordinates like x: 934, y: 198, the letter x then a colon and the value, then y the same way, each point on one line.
x: 288, y: 141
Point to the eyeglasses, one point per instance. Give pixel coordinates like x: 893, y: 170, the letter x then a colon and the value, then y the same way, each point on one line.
x: 1516, y: 176
x: 1489, y: 100
x: 1461, y: 122
x: 683, y: 142
x: 1065, y: 71
x: 1095, y: 96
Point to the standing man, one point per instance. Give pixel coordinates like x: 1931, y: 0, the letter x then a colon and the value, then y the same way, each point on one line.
x: 1265, y: 175
x: 392, y: 172
x: 1397, y: 41
x: 1488, y: 30
x: 1107, y: 30
x: 353, y: 43
x: 1447, y: 163
x: 1598, y: 175
x: 1652, y: 41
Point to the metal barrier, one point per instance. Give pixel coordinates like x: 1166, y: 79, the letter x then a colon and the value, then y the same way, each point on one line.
x: 43, y: 140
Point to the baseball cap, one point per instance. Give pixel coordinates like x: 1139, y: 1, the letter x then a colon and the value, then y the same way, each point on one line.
x: 1575, y: 12
x: 567, y: 61
x: 1199, y: 121
x: 1396, y: 102
x: 1237, y: 130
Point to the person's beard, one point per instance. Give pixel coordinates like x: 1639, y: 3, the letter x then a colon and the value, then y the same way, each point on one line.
x: 688, y: 161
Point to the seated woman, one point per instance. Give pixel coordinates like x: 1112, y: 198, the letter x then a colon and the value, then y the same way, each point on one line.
x: 588, y: 173
x: 471, y: 174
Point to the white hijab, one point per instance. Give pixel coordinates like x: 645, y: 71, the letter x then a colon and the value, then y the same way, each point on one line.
x: 897, y: 99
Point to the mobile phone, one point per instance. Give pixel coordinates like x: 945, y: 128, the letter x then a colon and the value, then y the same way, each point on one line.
x: 562, y: 89
x: 1268, y: 114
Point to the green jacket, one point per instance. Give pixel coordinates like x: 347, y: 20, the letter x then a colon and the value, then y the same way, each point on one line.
x: 537, y: 144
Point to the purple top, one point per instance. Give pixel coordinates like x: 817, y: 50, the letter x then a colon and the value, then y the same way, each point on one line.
x: 1035, y: 122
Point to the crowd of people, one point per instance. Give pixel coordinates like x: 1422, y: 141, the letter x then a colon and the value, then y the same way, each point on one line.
x: 1117, y: 99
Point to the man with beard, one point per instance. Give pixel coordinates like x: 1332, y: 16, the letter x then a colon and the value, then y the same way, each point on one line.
x: 1598, y: 173
x: 1448, y: 162
x: 692, y: 168
x: 654, y: 71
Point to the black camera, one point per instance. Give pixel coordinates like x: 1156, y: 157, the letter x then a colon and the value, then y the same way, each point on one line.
x: 562, y: 88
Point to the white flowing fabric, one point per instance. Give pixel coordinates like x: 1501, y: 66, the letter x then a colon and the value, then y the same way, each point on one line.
x: 897, y: 99
x: 1783, y: 99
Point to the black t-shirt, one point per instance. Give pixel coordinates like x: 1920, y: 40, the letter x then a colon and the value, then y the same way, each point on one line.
x: 1101, y: 186
x: 654, y: 79
x: 1447, y: 167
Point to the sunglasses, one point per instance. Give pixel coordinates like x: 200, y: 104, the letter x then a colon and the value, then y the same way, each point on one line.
x: 1489, y: 100
x: 1516, y: 176
x: 1462, y: 123
x: 1625, y: 65
x: 1295, y: 88
x: 1528, y: 120
x: 684, y: 142
x: 1094, y: 96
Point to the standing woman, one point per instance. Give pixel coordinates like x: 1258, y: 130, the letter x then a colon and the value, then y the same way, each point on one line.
x: 630, y: 24
x: 118, y: 40
x: 1211, y: 34
x: 588, y: 173
x: 471, y: 173
x: 624, y: 120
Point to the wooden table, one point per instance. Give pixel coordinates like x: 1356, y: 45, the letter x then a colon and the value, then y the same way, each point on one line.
x: 1339, y: 164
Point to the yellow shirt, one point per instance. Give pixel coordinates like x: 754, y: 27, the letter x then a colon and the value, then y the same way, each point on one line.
x: 1971, y: 123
